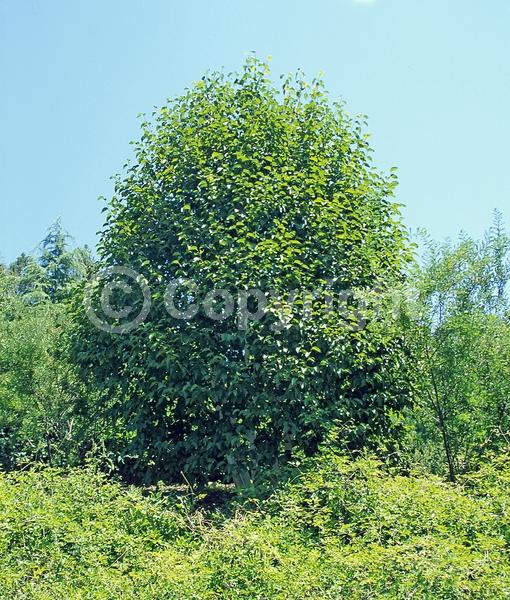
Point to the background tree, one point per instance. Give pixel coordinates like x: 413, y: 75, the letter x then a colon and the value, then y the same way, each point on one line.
x: 30, y: 278
x: 462, y: 341
x: 39, y: 390
x: 62, y: 265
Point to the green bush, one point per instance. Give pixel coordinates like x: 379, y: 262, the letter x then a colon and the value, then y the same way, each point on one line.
x: 39, y: 391
x: 340, y: 529
x: 239, y: 185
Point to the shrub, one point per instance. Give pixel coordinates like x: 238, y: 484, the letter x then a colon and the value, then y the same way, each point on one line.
x: 239, y: 185
x: 341, y: 529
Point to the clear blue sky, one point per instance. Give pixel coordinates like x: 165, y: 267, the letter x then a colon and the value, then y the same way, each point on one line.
x: 432, y: 75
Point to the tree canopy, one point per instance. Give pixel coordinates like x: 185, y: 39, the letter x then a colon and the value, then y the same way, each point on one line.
x: 243, y: 185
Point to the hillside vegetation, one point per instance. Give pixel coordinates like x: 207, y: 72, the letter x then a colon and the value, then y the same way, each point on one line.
x: 255, y: 389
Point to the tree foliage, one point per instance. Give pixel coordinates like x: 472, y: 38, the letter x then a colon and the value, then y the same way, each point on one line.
x: 39, y: 390
x: 461, y: 333
x: 238, y: 185
x: 60, y: 265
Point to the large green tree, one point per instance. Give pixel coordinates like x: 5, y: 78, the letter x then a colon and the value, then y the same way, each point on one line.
x: 241, y: 185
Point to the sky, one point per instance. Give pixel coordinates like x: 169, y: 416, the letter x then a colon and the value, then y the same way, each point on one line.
x: 433, y: 76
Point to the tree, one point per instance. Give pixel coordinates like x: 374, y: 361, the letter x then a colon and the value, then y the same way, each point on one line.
x: 38, y: 386
x: 239, y: 185
x: 61, y: 265
x: 39, y: 392
x: 30, y: 278
x: 462, y: 343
